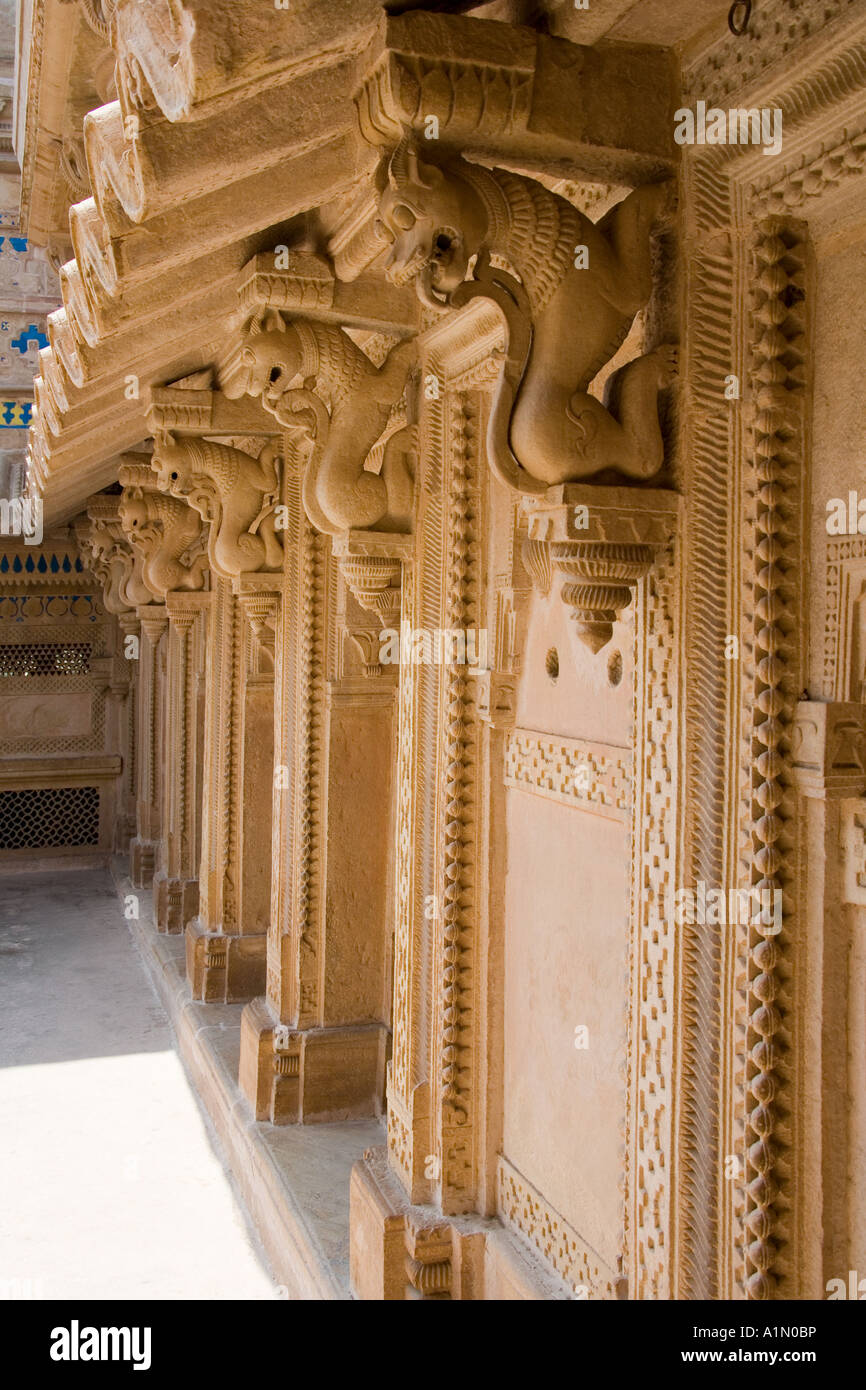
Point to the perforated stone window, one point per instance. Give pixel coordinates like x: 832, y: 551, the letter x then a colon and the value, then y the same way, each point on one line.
x: 45, y: 659
x: 49, y: 818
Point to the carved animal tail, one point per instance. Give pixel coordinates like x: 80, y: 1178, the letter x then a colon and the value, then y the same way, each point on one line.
x: 511, y: 298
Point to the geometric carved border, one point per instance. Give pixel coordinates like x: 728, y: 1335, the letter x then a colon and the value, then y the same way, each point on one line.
x: 595, y: 777
x: 525, y: 1211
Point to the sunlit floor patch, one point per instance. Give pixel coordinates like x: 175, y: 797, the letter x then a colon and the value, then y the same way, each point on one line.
x: 112, y: 1188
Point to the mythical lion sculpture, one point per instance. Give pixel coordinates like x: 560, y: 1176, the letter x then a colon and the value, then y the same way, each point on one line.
x: 164, y: 529
x: 579, y: 288
x: 106, y: 552
x: 313, y: 378
x: 106, y: 559
x: 232, y: 490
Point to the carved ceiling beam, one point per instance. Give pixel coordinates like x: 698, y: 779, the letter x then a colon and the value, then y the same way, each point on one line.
x: 504, y: 91
x: 185, y: 55
x: 144, y: 164
x: 115, y: 254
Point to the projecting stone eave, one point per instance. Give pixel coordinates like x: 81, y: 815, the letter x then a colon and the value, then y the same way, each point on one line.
x: 182, y: 200
x: 62, y: 66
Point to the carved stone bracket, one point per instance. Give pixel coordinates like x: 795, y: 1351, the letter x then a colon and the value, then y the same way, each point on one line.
x: 260, y: 597
x: 324, y: 390
x: 109, y: 554
x: 371, y: 564
x: 601, y: 541
x: 828, y: 749
x: 166, y: 532
x: 235, y: 491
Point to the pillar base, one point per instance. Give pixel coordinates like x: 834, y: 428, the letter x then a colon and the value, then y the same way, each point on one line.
x: 224, y: 969
x: 401, y: 1252
x: 175, y: 901
x: 142, y: 861
x: 307, y: 1077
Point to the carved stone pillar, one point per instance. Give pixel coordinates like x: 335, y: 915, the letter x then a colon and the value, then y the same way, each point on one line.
x: 313, y: 1048
x: 168, y: 538
x: 828, y: 764
x: 176, y: 881
x: 107, y: 553
x: 217, y: 911
x: 130, y: 653
x: 149, y: 747
x: 238, y: 493
x: 223, y: 963
x: 435, y: 1120
x: 116, y: 687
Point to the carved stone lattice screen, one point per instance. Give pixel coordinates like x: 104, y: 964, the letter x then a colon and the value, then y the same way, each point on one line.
x: 49, y: 818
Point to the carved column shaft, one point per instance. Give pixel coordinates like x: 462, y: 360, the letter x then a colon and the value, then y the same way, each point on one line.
x: 219, y: 868
x: 176, y: 884
x: 314, y: 1046
x: 149, y: 744
x: 130, y: 652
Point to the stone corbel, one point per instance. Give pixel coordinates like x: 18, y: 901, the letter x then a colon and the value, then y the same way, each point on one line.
x: 165, y: 530
x: 109, y: 555
x: 183, y: 410
x: 600, y: 542
x: 371, y: 563
x: 236, y: 491
x: 340, y: 404
x: 828, y: 749
x: 260, y: 597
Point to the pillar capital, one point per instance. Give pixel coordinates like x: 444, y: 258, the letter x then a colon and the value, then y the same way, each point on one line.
x: 183, y: 607
x: 371, y: 563
x: 828, y: 745
x: 600, y: 542
x: 153, y: 618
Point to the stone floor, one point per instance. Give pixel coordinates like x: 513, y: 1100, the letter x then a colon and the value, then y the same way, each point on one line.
x: 111, y: 1184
